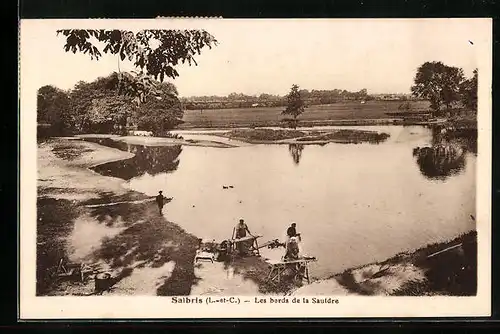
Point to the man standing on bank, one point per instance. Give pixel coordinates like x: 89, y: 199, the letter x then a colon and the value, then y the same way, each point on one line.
x: 292, y: 232
x: 160, y: 201
x: 240, y: 231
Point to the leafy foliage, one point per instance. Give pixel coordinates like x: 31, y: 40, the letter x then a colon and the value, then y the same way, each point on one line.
x: 161, y: 113
x: 96, y: 107
x: 53, y: 105
x: 468, y: 92
x: 439, y: 84
x: 155, y: 53
x: 109, y: 114
x: 239, y: 100
x: 295, y: 103
x: 83, y: 96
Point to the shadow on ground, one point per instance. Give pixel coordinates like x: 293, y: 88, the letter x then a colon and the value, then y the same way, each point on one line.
x: 70, y: 150
x: 148, y: 240
x: 257, y: 270
x: 109, y: 197
x: 54, y: 223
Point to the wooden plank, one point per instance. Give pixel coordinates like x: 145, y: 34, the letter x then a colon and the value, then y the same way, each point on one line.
x: 250, y: 237
x: 293, y: 261
x: 444, y: 250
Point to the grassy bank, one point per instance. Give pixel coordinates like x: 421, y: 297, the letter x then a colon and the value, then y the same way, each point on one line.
x: 372, y: 112
x: 447, y: 268
x: 339, y: 114
x: 266, y: 135
x: 304, y: 137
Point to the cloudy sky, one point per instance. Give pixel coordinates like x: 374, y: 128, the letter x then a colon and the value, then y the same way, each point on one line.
x: 268, y: 56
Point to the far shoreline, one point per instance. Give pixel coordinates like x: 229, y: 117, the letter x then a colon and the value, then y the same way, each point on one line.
x: 314, y: 123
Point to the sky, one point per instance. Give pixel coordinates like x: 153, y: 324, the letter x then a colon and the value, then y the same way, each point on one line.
x: 268, y: 56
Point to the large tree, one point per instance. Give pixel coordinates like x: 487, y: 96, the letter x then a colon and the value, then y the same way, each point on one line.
x: 160, y: 113
x: 97, y: 107
x: 439, y: 84
x: 468, y: 92
x: 109, y: 114
x: 155, y: 53
x: 84, y: 98
x: 53, y: 106
x: 295, y: 104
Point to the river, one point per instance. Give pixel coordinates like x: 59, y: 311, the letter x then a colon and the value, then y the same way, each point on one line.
x: 353, y: 203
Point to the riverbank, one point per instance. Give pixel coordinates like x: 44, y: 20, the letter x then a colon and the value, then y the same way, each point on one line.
x: 159, y: 141
x: 270, y: 136
x: 86, y: 217
x: 306, y: 123
x: 446, y: 268
x: 240, y: 137
x: 124, y: 236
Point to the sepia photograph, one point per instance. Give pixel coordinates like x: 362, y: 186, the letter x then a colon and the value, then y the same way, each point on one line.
x: 266, y: 159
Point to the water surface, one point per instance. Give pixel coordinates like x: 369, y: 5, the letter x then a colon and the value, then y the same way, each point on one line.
x: 353, y: 203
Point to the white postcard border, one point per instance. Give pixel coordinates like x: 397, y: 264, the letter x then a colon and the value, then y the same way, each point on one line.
x: 32, y: 307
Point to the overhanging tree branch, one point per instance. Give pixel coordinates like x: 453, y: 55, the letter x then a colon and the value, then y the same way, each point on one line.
x: 174, y: 47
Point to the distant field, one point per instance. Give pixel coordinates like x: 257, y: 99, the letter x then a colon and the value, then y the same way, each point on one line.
x: 247, y: 117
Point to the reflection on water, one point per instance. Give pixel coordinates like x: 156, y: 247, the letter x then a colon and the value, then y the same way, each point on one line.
x: 353, y: 204
x: 446, y: 156
x: 440, y: 161
x: 109, y: 142
x: 150, y: 160
x: 467, y: 138
x: 296, y: 152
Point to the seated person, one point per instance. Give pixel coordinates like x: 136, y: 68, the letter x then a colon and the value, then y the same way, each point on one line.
x: 292, y: 232
x: 292, y: 250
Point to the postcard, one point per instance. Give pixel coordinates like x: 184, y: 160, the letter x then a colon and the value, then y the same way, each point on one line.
x: 255, y: 168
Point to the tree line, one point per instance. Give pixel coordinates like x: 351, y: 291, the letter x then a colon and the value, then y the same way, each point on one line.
x: 446, y: 88
x: 98, y: 107
x: 107, y: 104
x: 239, y: 100
x: 140, y: 99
